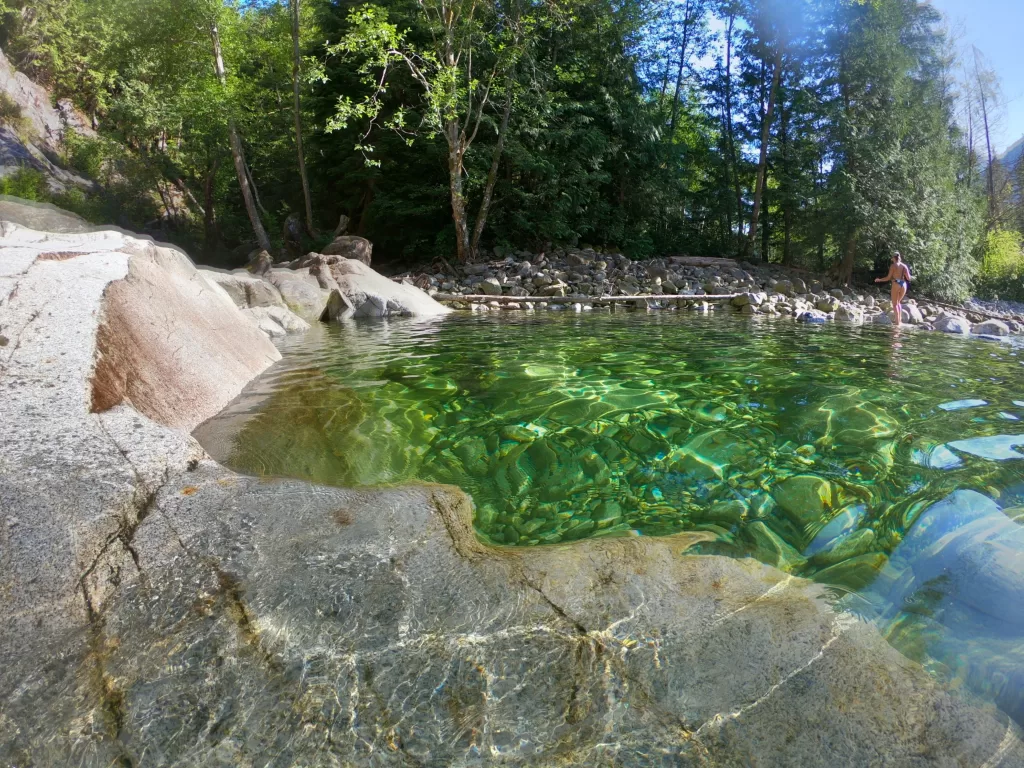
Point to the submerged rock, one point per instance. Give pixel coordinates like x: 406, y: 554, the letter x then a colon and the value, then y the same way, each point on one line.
x: 853, y: 574
x: 804, y: 498
x: 991, y: 328
x: 842, y: 524
x: 812, y: 316
x: 773, y: 549
x: 856, y: 544
x: 960, y: 566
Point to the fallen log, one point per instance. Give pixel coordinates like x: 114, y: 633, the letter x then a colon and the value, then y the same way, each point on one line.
x: 968, y: 310
x: 475, y: 298
x: 702, y: 261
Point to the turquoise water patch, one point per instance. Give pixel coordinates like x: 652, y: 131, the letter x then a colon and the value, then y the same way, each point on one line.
x: 940, y: 457
x: 993, y: 447
x: 565, y: 427
x: 959, y: 405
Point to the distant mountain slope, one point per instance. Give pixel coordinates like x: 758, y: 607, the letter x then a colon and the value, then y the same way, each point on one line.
x: 1012, y: 156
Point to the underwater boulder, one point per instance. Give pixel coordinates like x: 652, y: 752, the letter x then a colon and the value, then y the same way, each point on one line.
x: 962, y: 549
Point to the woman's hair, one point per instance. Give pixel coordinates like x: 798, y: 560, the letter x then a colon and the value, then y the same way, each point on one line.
x: 896, y: 256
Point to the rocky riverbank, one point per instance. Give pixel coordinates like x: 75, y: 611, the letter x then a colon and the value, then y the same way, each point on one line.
x: 163, y: 610
x: 682, y: 283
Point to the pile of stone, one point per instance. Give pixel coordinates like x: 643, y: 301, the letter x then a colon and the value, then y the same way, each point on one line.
x: 680, y: 282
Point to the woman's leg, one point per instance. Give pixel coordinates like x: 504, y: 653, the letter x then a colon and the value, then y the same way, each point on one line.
x: 898, y: 292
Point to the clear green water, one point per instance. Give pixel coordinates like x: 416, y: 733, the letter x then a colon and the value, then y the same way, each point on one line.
x: 573, y: 427
x: 815, y: 449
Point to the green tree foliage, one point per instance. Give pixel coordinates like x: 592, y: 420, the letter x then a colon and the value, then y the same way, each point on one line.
x: 1002, y: 268
x: 1004, y: 254
x: 446, y: 127
x: 55, y: 42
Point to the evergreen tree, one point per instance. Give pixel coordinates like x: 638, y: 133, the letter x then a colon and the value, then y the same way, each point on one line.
x: 818, y: 133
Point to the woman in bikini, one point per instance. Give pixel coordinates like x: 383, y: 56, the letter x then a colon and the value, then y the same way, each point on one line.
x: 899, y: 275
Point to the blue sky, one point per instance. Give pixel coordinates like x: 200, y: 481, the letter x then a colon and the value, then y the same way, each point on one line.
x: 997, y: 28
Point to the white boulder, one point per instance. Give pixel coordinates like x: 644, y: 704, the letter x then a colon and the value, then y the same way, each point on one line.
x: 373, y: 295
x: 991, y: 328
x: 244, y: 288
x: 953, y: 324
x: 277, y: 321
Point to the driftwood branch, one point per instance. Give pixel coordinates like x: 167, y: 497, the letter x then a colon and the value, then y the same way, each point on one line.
x: 582, y: 300
x: 971, y: 311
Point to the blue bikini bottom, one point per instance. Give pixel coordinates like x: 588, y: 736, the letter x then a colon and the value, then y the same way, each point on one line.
x: 901, y: 283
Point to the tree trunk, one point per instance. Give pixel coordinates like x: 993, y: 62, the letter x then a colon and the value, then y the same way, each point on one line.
x: 211, y: 235
x: 492, y: 178
x: 369, y: 195
x: 990, y: 175
x: 182, y: 187
x: 844, y: 269
x: 664, y: 82
x: 787, y: 243
x: 970, y: 142
x: 169, y: 210
x: 455, y: 158
x: 238, y: 152
x: 682, y: 68
x: 762, y: 163
x: 255, y: 191
x: 766, y: 228
x: 296, y: 61
x: 786, y: 198
x: 988, y: 143
x: 729, y: 126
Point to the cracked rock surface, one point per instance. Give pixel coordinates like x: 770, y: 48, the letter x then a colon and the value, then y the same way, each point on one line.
x: 162, y: 610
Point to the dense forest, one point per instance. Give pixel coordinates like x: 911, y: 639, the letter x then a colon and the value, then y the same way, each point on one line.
x: 815, y: 133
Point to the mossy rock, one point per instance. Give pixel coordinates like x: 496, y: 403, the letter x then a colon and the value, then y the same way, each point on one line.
x: 805, y: 499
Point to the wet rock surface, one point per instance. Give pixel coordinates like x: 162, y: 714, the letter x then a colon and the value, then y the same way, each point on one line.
x: 315, y: 627
x: 162, y: 610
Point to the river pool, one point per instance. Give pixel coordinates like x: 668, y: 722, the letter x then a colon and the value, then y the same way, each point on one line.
x: 886, y: 464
